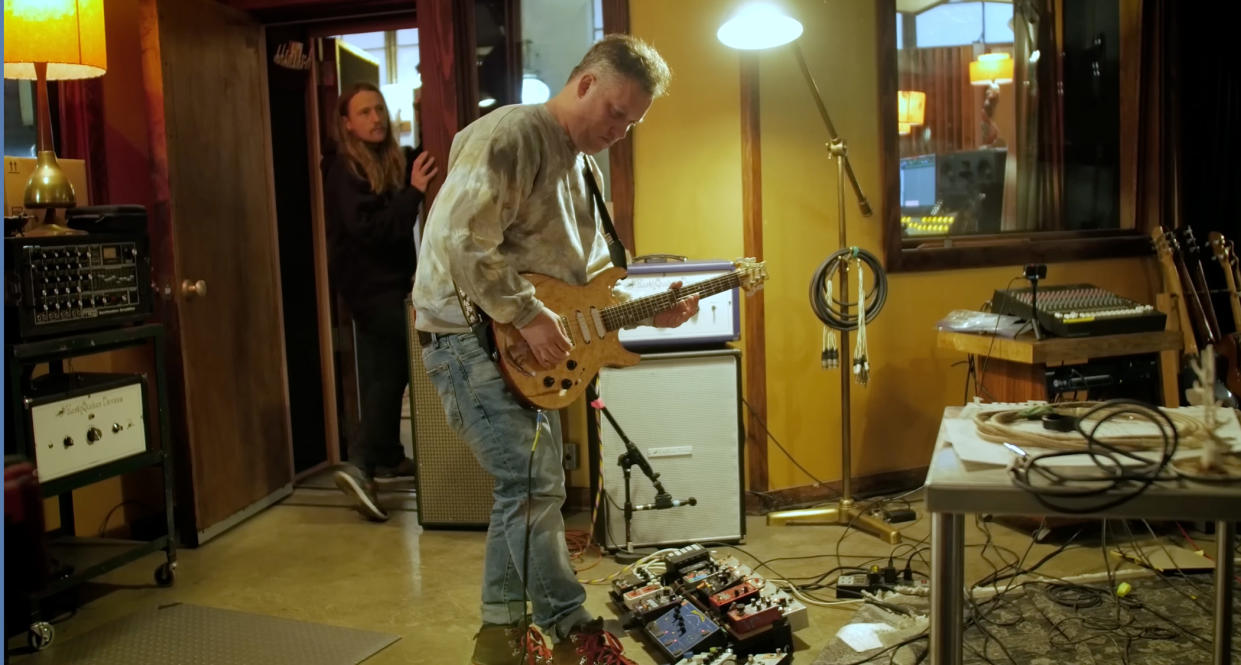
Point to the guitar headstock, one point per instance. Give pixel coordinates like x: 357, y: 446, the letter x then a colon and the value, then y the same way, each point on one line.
x: 1222, y: 248
x: 750, y: 274
x: 1189, y: 243
x: 1165, y: 243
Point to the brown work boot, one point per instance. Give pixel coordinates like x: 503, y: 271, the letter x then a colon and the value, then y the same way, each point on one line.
x: 590, y: 644
x: 503, y: 645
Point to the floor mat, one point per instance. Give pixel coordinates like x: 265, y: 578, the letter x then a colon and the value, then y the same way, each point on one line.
x: 196, y: 635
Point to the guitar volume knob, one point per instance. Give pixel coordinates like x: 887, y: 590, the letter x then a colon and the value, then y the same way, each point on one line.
x: 572, y: 364
x: 548, y: 382
x: 566, y: 384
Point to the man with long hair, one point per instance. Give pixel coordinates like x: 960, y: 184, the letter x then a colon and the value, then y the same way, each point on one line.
x: 517, y: 199
x: 372, y: 191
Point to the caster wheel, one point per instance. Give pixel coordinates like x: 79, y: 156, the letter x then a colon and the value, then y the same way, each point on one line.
x: 165, y: 575
x: 40, y: 635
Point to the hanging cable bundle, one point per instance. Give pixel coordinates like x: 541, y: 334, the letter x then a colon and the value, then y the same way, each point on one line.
x: 841, y: 314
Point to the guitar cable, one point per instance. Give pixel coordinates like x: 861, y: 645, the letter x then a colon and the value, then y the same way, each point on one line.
x: 861, y: 366
x: 539, y: 418
x: 1119, y: 469
x: 835, y: 313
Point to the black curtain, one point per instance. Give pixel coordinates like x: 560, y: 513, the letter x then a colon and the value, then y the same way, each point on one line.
x: 1205, y: 88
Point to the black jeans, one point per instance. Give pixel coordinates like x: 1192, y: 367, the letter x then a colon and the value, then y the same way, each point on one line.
x: 383, y: 373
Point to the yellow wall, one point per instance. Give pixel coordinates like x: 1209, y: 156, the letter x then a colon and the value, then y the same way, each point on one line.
x: 687, y: 173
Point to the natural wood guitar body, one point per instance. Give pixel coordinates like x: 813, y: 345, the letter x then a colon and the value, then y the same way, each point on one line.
x: 593, y: 318
x: 558, y: 387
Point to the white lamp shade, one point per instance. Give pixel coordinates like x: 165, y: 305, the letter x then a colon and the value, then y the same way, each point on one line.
x: 534, y: 91
x: 66, y: 34
x: 759, y: 25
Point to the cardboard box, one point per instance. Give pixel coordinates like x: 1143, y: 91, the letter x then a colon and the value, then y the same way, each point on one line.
x: 17, y: 171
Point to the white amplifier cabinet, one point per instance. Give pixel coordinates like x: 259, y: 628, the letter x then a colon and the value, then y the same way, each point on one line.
x: 718, y: 318
x: 682, y: 411
x: 79, y: 421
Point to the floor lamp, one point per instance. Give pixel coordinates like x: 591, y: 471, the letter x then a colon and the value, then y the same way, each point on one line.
x: 762, y: 26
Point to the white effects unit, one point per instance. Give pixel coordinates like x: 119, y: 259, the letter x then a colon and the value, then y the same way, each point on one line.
x: 682, y: 411
x: 84, y: 428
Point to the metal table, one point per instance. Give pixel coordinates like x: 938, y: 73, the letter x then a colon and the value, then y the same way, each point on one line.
x: 954, y: 488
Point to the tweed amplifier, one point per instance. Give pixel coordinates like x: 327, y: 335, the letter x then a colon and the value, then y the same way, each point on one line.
x: 453, y: 490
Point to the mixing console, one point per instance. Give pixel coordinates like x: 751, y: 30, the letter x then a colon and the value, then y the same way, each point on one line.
x: 1077, y: 310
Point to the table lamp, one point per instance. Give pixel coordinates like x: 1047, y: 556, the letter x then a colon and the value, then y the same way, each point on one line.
x: 56, y: 40
x: 910, y: 109
x: 991, y: 70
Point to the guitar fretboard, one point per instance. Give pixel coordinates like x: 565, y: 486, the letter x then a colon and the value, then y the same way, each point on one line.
x: 630, y: 313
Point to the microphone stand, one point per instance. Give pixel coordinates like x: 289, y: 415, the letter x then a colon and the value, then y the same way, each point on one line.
x: 846, y: 512
x: 627, y: 460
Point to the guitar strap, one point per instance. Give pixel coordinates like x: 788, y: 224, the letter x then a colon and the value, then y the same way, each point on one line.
x: 615, y: 248
x: 479, y: 322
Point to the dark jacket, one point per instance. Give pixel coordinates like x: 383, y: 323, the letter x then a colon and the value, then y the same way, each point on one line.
x: 370, y: 238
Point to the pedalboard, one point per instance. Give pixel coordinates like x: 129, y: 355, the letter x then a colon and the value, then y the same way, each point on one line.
x: 729, y: 657
x: 705, y: 608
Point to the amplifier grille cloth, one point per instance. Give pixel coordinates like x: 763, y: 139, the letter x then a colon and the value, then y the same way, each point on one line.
x: 682, y: 411
x: 453, y: 490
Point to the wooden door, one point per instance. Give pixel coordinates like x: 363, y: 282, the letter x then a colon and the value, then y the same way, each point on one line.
x: 214, y: 225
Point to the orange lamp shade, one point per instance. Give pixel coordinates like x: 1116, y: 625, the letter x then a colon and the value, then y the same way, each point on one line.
x: 910, y: 109
x: 991, y: 68
x: 66, y: 34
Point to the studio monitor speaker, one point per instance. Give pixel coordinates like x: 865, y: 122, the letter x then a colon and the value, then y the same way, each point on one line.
x: 453, y: 490
x: 683, y: 412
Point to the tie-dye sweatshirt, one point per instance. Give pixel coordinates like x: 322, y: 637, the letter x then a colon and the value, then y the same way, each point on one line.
x: 514, y: 200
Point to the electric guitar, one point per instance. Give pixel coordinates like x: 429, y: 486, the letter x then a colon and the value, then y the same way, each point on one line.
x: 1191, y: 256
x: 1226, y: 255
x: 1165, y: 246
x: 1226, y: 350
x: 592, y: 318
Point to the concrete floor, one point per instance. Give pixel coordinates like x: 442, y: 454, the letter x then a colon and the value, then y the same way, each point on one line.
x: 312, y: 558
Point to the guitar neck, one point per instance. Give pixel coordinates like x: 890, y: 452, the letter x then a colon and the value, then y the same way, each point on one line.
x: 635, y: 311
x: 1210, y: 319
x: 1234, y: 300
x: 1198, y: 312
x: 1172, y: 286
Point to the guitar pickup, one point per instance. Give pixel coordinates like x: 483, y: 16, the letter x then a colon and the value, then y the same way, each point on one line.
x: 581, y: 323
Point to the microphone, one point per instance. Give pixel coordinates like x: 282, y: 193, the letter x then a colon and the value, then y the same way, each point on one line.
x: 663, y: 502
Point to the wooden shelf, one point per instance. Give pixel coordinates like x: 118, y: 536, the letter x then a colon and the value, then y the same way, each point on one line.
x: 1025, y: 349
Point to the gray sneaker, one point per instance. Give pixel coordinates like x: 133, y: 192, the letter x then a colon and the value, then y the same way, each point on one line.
x: 361, y: 490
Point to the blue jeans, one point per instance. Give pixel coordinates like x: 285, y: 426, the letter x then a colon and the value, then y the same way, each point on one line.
x: 500, y: 432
